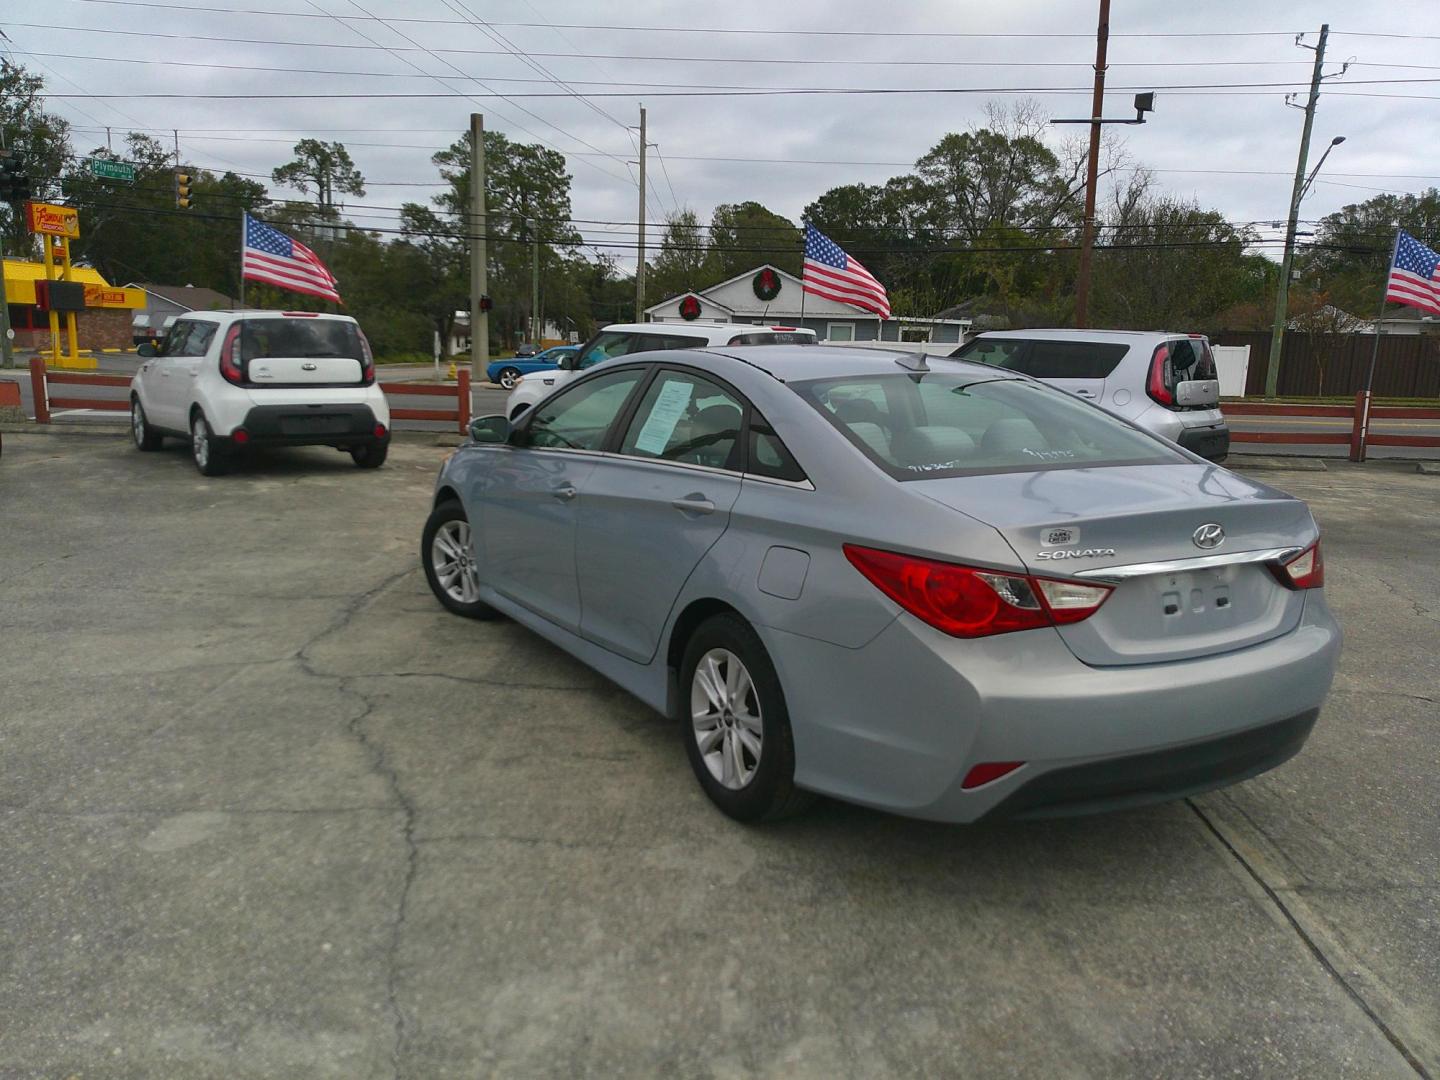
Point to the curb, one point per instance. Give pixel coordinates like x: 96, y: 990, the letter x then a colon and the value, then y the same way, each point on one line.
x: 1276, y: 464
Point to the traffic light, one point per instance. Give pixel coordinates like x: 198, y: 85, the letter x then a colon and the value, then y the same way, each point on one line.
x: 182, y: 189
x: 486, y: 303
x: 14, y: 180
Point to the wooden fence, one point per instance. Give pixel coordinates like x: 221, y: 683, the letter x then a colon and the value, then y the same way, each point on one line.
x: 1360, y: 414
x: 1408, y: 365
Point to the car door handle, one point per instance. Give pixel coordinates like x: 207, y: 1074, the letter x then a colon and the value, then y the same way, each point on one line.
x: 693, y: 504
x: 564, y: 493
x: 1085, y: 393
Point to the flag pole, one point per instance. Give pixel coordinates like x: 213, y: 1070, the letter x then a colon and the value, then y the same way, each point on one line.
x: 1375, y: 351
x: 242, y: 259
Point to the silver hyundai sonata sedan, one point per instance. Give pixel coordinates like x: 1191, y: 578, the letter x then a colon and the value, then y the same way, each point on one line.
x: 933, y: 587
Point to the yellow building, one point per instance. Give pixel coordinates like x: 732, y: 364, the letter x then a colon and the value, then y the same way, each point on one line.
x: 104, y: 324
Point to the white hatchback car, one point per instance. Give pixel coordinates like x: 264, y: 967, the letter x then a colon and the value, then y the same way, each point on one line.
x: 230, y: 380
x: 1165, y: 383
x: 627, y: 339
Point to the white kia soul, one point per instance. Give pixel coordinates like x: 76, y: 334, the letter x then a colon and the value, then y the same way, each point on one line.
x: 230, y: 380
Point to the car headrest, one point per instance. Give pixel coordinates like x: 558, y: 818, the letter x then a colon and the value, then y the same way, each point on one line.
x: 1012, y: 433
x: 931, y: 445
x: 859, y: 411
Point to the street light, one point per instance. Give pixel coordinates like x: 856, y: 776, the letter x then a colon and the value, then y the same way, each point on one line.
x: 1311, y: 178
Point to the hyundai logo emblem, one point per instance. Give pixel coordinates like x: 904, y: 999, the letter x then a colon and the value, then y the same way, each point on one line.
x: 1209, y: 535
x: 311, y: 367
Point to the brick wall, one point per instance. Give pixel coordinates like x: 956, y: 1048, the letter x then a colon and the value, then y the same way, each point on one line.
x: 96, y: 328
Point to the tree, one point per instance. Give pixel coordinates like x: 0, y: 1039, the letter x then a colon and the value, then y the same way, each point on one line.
x: 132, y: 231
x: 320, y: 169
x: 41, y: 138
x: 527, y: 192
x: 743, y: 235
x: 1326, y: 326
x: 680, y: 265
x: 1351, y: 251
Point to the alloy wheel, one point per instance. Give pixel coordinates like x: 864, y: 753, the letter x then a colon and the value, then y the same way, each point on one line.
x: 453, y: 562
x: 200, y: 441
x: 137, y: 423
x: 725, y: 715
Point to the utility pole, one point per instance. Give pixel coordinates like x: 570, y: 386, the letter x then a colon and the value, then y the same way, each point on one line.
x: 640, y: 264
x: 7, y: 358
x: 535, y: 327
x: 479, y: 313
x: 1282, y: 291
x: 1092, y: 172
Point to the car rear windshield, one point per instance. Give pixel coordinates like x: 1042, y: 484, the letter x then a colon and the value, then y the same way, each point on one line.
x: 772, y: 337
x: 262, y: 338
x: 1045, y: 359
x: 936, y: 424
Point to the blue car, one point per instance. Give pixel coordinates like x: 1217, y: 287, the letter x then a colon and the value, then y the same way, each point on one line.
x: 507, y: 372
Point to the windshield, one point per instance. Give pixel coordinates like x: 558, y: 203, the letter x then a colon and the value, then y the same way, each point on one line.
x: 263, y: 338
x: 937, y: 424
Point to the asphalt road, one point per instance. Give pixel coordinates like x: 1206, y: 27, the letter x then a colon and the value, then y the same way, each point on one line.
x: 267, y: 810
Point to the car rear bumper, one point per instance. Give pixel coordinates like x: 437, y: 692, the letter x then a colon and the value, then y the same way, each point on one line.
x: 1211, y: 443
x: 311, y: 425
x: 1158, y: 776
x: 900, y: 722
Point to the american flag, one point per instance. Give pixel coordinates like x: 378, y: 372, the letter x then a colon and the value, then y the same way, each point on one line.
x: 830, y: 273
x: 1415, y: 275
x: 276, y: 259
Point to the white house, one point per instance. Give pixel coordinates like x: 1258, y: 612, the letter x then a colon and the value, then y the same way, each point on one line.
x: 769, y: 296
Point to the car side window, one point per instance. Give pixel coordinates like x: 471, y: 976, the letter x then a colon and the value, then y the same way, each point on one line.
x: 657, y: 342
x: 174, y: 341
x: 686, y: 418
x: 580, y: 418
x: 197, y: 341
x: 769, y: 457
x: 606, y: 346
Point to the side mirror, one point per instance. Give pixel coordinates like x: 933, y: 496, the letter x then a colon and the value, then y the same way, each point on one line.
x: 490, y: 429
x: 147, y: 349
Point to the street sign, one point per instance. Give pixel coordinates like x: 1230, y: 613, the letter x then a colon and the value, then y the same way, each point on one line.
x: 112, y: 170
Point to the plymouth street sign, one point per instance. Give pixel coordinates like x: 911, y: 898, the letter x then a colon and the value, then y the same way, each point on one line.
x: 112, y: 170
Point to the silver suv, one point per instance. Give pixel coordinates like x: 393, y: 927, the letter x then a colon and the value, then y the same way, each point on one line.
x: 1164, y: 383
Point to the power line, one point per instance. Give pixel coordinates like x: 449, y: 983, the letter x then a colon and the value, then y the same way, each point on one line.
x: 756, y: 31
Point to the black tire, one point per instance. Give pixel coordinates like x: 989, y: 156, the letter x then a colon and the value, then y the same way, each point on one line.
x: 770, y: 793
x: 451, y: 596
x: 507, y: 376
x: 205, y: 449
x: 140, y: 430
x: 370, y: 455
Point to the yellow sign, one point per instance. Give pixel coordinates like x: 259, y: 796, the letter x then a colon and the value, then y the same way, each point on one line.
x: 53, y: 220
x: 103, y: 296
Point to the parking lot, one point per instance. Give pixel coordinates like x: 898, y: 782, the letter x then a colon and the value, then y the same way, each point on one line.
x: 268, y: 810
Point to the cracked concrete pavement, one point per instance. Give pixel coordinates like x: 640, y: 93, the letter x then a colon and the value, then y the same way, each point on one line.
x: 268, y: 811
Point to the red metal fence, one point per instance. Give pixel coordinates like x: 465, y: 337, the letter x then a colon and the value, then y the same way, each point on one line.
x: 1361, y: 415
x: 41, y: 379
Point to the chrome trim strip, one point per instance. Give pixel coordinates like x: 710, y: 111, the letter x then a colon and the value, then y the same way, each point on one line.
x: 804, y: 485
x: 1114, y: 575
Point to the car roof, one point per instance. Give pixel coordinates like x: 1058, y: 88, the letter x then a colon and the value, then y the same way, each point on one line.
x: 261, y: 313
x: 795, y: 363
x: 1061, y: 334
x: 717, y: 333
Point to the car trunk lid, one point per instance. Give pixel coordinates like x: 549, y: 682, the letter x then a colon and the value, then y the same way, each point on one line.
x: 1173, y: 599
x: 302, y: 349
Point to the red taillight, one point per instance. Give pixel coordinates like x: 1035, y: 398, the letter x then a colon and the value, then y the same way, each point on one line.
x: 301, y: 314
x: 987, y: 771
x: 967, y: 602
x: 229, y: 363
x: 1155, y: 384
x: 367, y: 360
x: 1304, y: 571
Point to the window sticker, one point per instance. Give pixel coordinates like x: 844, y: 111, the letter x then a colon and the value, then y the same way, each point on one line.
x: 669, y: 407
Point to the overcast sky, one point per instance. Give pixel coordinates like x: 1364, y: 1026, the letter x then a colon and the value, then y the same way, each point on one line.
x: 1233, y: 150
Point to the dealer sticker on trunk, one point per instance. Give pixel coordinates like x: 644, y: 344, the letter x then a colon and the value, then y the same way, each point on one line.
x: 1059, y: 537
